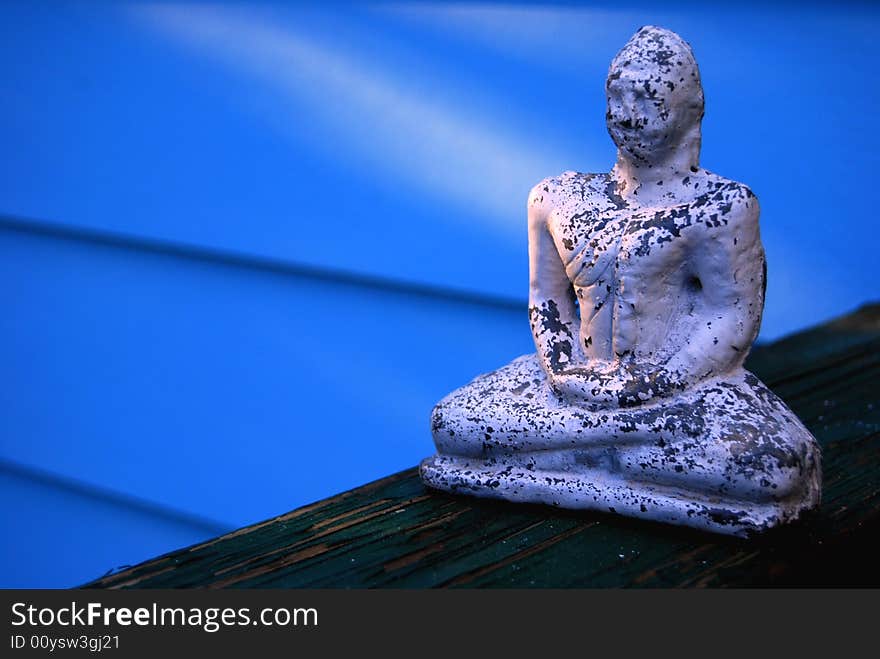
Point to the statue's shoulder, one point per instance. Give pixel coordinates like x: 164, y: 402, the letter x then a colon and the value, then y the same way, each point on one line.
x: 731, y: 203
x: 569, y: 189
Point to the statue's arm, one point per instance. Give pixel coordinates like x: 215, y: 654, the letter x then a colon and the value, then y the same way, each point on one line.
x: 728, y: 261
x: 552, y: 313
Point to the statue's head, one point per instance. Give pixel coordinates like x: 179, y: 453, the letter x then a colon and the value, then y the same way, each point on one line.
x: 655, y: 98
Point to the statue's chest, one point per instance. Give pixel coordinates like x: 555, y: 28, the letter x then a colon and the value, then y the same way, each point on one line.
x: 602, y: 247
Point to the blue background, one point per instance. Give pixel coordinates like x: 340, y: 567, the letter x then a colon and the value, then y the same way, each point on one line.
x: 245, y: 248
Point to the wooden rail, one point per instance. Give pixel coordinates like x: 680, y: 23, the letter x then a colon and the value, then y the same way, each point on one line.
x: 396, y: 533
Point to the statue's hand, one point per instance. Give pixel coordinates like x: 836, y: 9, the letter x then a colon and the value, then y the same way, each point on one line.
x: 614, y: 385
x: 597, y: 384
x: 645, y: 382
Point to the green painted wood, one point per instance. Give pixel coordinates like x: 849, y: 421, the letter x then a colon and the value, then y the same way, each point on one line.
x: 396, y: 533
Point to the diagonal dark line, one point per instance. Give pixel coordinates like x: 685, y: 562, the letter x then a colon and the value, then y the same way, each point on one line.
x: 253, y: 262
x: 107, y: 495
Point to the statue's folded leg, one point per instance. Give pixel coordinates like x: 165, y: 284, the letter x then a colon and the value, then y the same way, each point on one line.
x: 727, y: 455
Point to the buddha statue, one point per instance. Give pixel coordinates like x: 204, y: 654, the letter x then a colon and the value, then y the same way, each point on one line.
x: 646, y: 292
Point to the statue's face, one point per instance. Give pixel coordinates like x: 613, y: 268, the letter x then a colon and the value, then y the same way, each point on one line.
x: 654, y: 96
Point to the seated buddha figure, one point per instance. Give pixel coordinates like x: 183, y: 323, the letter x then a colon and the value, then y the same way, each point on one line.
x: 646, y: 292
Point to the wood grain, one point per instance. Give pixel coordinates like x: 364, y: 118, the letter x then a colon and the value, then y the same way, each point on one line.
x: 395, y: 533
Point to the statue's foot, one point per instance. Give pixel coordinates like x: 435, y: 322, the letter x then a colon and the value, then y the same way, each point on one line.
x: 727, y: 456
